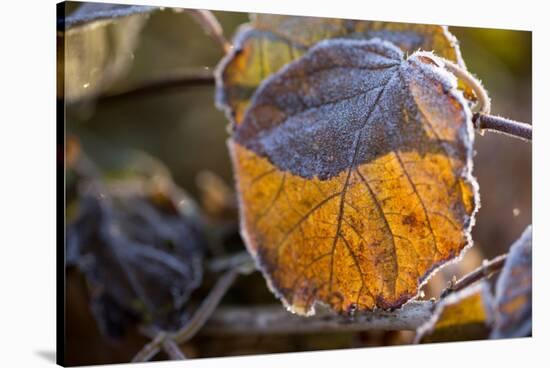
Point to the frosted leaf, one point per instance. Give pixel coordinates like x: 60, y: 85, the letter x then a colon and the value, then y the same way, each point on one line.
x: 353, y: 166
x: 514, y: 291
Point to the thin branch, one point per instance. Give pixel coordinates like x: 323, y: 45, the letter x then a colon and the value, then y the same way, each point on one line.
x: 203, y: 312
x: 271, y: 320
x: 502, y: 125
x: 151, y: 349
x: 206, y: 308
x: 173, y: 350
x: 483, y: 120
x: 168, y: 82
x: 226, y: 262
x: 208, y: 21
x: 180, y: 80
x: 174, y: 81
x: 483, y: 271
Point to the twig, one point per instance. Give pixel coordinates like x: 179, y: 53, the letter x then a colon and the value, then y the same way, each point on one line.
x: 270, y: 320
x: 483, y: 120
x: 178, y: 80
x: 202, y: 314
x: 485, y: 270
x: 206, y: 308
x: 172, y: 350
x: 151, y: 349
x: 211, y: 26
x: 225, y: 262
x: 170, y: 81
x: 502, y: 125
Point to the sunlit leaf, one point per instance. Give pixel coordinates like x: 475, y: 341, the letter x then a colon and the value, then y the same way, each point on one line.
x: 466, y: 315
x: 514, y: 291
x: 96, y: 44
x: 270, y: 41
x: 353, y: 167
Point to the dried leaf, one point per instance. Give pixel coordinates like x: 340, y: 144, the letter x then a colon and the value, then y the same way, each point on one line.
x: 269, y: 42
x: 466, y: 315
x: 514, y: 291
x: 94, y: 51
x: 138, y: 245
x: 353, y: 167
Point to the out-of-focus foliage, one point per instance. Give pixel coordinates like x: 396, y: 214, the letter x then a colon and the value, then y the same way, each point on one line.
x: 136, y: 238
x: 97, y: 44
x: 353, y: 173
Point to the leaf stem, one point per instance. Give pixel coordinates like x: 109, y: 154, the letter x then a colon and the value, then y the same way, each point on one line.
x: 483, y: 120
x: 484, y: 102
x: 506, y: 126
x: 483, y: 271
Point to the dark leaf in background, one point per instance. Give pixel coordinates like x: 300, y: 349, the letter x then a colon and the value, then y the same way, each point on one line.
x: 514, y: 291
x: 97, y: 50
x: 269, y: 42
x: 462, y: 316
x: 353, y: 166
x: 139, y: 247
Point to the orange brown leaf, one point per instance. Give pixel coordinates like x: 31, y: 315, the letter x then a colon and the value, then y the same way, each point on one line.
x: 353, y: 167
x: 466, y: 315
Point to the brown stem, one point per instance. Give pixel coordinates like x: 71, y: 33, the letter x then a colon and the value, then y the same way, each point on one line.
x: 503, y: 125
x: 485, y: 270
x: 168, y: 82
x: 208, y: 21
x: 223, y: 263
x: 206, y: 308
x: 151, y: 349
x: 272, y: 320
x: 173, y: 350
x: 483, y: 100
x: 203, y: 312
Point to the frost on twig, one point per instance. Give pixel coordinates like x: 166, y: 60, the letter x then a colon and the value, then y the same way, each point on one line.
x: 273, y: 320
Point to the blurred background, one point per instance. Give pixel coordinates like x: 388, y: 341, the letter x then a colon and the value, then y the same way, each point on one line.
x: 185, y: 135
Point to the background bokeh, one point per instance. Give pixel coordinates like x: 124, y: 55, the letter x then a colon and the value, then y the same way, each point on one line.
x: 184, y: 130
